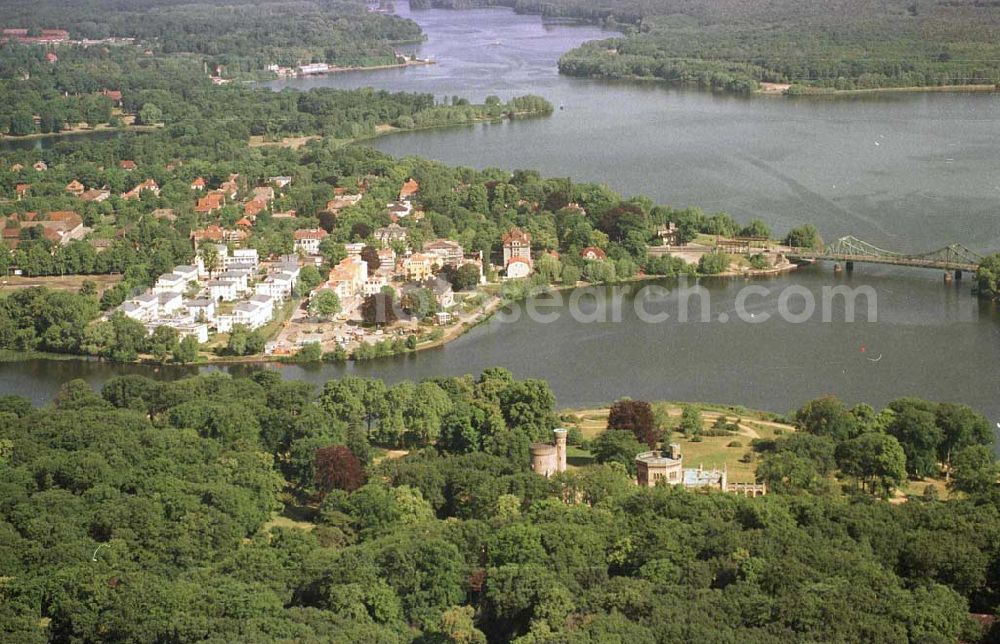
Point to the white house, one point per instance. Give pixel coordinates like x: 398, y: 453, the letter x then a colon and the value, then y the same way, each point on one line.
x: 354, y: 249
x: 265, y: 301
x: 242, y: 258
x: 202, y: 308
x: 188, y: 272
x: 374, y: 285
x: 170, y: 283
x: 169, y: 303
x: 219, y: 290
x: 197, y: 329
x: 142, y: 308
x: 278, y: 286
x: 252, y: 314
x: 290, y: 266
x: 308, y: 240
x: 236, y: 277
x: 224, y: 323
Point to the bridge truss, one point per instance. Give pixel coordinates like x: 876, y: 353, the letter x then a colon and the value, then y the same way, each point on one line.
x: 851, y: 249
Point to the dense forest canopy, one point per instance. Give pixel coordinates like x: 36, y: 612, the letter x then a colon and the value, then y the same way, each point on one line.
x: 244, y: 36
x: 259, y: 509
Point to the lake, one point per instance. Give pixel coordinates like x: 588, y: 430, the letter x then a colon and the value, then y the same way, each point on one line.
x: 906, y: 171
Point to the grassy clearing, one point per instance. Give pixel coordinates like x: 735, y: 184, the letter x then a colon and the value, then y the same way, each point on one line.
x: 58, y: 282
x: 711, y: 451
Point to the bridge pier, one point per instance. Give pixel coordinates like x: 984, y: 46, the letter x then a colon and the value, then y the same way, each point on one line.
x: 948, y: 279
x: 958, y: 274
x: 837, y: 267
x: 849, y: 266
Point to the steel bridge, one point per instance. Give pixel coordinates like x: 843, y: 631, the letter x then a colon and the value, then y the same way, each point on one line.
x: 849, y: 250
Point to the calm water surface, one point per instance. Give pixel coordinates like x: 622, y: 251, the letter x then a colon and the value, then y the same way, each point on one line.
x: 910, y: 172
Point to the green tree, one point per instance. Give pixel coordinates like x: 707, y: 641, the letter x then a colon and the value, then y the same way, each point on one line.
x: 876, y: 461
x: 975, y: 470
x: 150, y: 114
x: 324, y: 304
x: 617, y: 446
x: 804, y: 237
x: 187, y: 350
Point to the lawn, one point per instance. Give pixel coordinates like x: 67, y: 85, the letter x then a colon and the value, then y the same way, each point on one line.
x: 710, y: 452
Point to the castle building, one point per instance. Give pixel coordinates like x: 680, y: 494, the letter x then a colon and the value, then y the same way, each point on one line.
x: 548, y: 459
x: 655, y: 466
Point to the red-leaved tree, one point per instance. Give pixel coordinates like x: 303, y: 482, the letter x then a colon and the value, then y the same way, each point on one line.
x: 337, y: 468
x: 635, y: 416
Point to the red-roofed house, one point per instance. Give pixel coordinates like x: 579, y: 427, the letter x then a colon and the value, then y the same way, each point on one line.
x: 21, y: 190
x: 516, y: 243
x: 147, y: 185
x: 210, y: 203
x: 114, y: 94
x: 74, y: 187
x: 51, y: 57
x: 198, y: 184
x: 128, y: 165
x: 95, y: 195
x: 307, y: 240
x: 254, y: 207
x: 593, y: 253
x: 410, y: 188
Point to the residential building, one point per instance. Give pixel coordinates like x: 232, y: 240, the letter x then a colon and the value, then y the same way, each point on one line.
x: 354, y: 248
x: 278, y: 286
x: 517, y: 268
x: 418, y: 266
x: 593, y: 254
x: 374, y: 285
x: 198, y: 184
x: 348, y: 277
x: 308, y: 240
x: 399, y: 210
x: 201, y: 308
x: 149, y: 185
x: 279, y: 182
x: 342, y: 201
x: 220, y: 290
x: 169, y: 303
x: 241, y: 258
x: 96, y: 195
x: 188, y: 271
x: 409, y: 189
x: 448, y: 252
x: 199, y: 330
x: 210, y: 203
x: 75, y: 188
x: 443, y: 293
x: 170, y: 283
x: 390, y: 234
x: 237, y: 278
x: 128, y: 165
x: 142, y: 308
x: 387, y: 261
x: 517, y: 253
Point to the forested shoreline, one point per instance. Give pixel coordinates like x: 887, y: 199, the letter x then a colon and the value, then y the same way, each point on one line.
x: 259, y: 509
x: 732, y: 46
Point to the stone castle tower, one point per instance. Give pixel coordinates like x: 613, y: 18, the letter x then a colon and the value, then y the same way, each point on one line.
x: 548, y: 459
